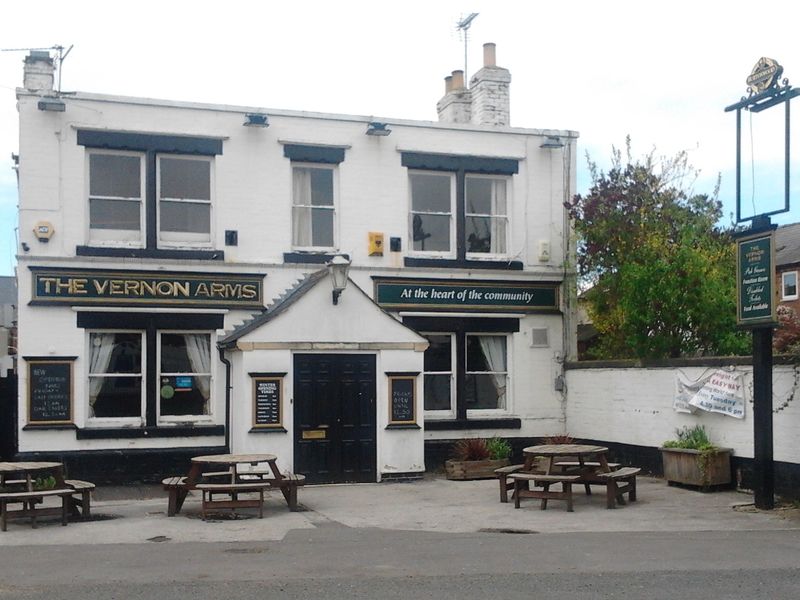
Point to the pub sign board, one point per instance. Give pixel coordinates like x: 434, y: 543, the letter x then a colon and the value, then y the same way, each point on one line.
x: 50, y: 390
x: 483, y: 296
x: 137, y: 288
x: 755, y: 280
x: 267, y: 400
x: 402, y: 399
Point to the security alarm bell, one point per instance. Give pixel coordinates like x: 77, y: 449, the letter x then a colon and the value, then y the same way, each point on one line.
x: 375, y: 244
x: 43, y: 231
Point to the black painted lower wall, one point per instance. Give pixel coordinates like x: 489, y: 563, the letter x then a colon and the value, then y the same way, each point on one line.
x: 124, y: 467
x: 787, y: 475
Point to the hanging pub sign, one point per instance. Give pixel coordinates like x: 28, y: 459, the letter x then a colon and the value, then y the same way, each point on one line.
x: 49, y: 390
x: 136, y: 288
x: 484, y: 296
x: 755, y: 282
x: 267, y: 396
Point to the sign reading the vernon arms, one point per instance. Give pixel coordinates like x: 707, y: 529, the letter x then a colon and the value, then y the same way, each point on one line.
x: 165, y: 288
x: 437, y: 294
x: 754, y: 280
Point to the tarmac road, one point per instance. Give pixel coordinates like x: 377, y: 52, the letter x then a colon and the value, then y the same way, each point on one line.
x: 428, y: 539
x: 339, y: 562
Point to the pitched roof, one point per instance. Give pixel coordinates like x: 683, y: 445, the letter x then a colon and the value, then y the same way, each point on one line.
x: 787, y: 244
x: 282, y: 303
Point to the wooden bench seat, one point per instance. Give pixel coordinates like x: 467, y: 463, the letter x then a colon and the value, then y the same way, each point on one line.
x: 177, y: 487
x: 571, y: 464
x: 522, y: 489
x: 29, y: 500
x: 80, y: 501
x: 505, y: 483
x: 232, y: 490
x: 619, y: 482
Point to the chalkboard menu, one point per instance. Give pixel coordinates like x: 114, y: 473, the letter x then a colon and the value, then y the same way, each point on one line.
x: 267, y: 392
x: 49, y: 391
x: 402, y: 399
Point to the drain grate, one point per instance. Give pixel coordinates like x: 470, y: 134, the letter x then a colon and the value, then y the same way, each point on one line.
x: 159, y: 538
x: 506, y: 530
x: 245, y: 550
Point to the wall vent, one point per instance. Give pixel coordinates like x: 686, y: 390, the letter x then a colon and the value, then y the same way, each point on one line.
x: 540, y: 337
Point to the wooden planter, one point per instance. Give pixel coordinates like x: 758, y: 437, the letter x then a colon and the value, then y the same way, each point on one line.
x: 693, y: 467
x: 473, y: 469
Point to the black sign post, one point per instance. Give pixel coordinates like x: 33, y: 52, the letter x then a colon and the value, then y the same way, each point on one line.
x: 755, y: 271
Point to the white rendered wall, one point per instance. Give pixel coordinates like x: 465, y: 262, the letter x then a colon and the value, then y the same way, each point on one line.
x: 634, y: 406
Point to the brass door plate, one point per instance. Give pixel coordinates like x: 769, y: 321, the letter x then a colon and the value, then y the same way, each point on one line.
x: 314, y: 434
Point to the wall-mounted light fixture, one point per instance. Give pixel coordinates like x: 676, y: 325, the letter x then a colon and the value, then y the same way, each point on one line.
x: 338, y: 267
x: 256, y: 120
x: 376, y: 128
x: 552, y: 141
x: 52, y: 104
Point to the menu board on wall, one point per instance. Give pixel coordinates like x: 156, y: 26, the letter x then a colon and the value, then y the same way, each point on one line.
x: 50, y: 391
x: 402, y: 399
x: 267, y: 396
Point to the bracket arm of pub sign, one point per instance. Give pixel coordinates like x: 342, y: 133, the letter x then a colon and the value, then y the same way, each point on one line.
x: 765, y: 91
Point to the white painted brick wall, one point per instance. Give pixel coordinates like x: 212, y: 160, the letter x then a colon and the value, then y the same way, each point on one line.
x: 634, y: 406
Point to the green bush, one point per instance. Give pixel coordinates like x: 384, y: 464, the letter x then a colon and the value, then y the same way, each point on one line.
x: 498, y: 448
x: 691, y: 438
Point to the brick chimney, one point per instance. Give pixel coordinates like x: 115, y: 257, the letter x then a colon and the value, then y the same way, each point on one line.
x: 455, y: 106
x: 490, y: 92
x: 38, y: 71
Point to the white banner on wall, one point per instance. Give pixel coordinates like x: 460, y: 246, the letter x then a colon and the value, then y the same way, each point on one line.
x: 720, y: 392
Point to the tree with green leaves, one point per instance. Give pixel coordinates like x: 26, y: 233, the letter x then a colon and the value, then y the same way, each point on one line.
x: 659, y: 273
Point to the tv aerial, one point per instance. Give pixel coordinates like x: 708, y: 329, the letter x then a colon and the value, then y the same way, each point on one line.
x: 463, y: 28
x: 59, y: 60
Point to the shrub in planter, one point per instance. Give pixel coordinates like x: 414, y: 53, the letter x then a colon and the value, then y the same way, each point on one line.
x: 692, y: 459
x: 477, y: 458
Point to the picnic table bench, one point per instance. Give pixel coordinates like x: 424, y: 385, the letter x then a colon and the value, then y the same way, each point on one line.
x: 29, y: 500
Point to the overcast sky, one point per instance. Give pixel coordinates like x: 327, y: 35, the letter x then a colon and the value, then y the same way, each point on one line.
x: 661, y: 72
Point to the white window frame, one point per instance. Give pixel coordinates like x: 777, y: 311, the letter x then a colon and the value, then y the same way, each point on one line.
x: 185, y: 239
x: 451, y: 413
x: 116, y: 237
x: 506, y: 218
x: 451, y: 253
x: 784, y: 295
x: 117, y: 421
x: 334, y: 168
x: 491, y: 412
x: 179, y: 419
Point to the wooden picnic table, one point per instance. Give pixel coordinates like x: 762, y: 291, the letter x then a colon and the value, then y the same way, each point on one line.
x: 18, y: 479
x: 229, y: 468
x: 582, y: 453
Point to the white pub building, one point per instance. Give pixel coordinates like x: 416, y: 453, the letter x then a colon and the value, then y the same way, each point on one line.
x: 348, y: 293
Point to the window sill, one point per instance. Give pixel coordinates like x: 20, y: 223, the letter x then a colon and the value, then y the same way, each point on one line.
x: 462, y: 424
x: 310, y: 258
x: 97, y: 433
x: 126, y: 252
x: 454, y: 263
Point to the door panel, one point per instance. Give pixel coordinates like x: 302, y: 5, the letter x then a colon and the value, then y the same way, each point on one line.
x: 334, y: 408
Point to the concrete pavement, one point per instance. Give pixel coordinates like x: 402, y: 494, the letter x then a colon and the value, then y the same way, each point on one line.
x: 434, y: 504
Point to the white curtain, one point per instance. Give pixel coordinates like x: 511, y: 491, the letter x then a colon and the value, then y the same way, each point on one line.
x: 301, y: 211
x: 198, y: 348
x: 102, y: 346
x: 499, y: 216
x: 494, y: 351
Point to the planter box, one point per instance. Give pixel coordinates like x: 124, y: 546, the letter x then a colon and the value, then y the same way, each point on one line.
x: 473, y: 469
x: 692, y: 467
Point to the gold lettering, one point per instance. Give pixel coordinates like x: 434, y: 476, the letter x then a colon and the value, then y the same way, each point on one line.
x: 63, y: 285
x: 117, y: 286
x: 132, y: 288
x: 100, y: 286
x: 202, y: 290
x: 182, y: 289
x: 47, y: 281
x: 79, y: 286
x: 217, y: 289
x: 249, y: 291
x: 233, y: 291
x: 165, y: 288
x: 148, y: 288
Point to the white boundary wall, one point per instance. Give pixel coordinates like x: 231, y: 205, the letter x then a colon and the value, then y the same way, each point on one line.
x: 634, y: 406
